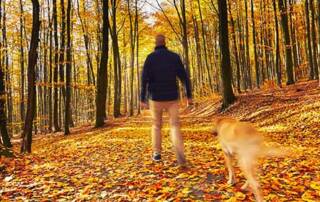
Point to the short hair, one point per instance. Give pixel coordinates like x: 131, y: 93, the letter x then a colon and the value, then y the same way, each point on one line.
x: 160, y: 40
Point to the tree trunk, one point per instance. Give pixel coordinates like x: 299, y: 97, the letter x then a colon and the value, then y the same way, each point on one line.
x: 68, y: 73
x: 62, y: 59
x: 286, y: 35
x: 50, y: 124
x: 132, y: 34
x: 248, y: 72
x: 102, y: 77
x: 235, y: 48
x: 204, y: 44
x: 3, y: 121
x: 22, y: 78
x: 56, y: 69
x: 116, y: 61
x: 308, y: 38
x: 278, y: 66
x: 226, y: 72
x: 256, y: 63
x: 319, y: 34
x: 32, y: 62
x: 314, y: 40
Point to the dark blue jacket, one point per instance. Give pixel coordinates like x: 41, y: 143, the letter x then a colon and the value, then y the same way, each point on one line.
x: 159, y: 76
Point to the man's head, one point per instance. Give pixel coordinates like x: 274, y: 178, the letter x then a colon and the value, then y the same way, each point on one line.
x: 160, y: 40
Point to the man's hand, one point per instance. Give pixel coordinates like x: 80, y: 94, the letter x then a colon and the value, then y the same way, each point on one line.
x: 190, y: 102
x: 143, y: 105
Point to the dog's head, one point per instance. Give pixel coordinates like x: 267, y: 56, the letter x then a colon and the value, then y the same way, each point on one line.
x: 216, y: 125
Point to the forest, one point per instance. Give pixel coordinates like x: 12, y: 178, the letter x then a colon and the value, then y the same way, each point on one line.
x: 70, y: 77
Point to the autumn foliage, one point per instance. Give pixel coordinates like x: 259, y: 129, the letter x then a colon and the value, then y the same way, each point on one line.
x: 114, y: 163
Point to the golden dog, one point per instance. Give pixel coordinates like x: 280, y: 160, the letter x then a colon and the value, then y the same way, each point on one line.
x: 244, y: 141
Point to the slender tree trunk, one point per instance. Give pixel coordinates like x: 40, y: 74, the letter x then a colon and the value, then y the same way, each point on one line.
x: 308, y: 38
x: 50, y: 124
x: 256, y: 63
x: 68, y: 73
x: 314, y: 40
x: 3, y: 120
x: 226, y: 72
x: 62, y: 60
x: 56, y: 69
x: 132, y: 34
x: 116, y: 61
x: 22, y: 78
x: 32, y: 62
x: 197, y: 52
x: 235, y: 48
x: 248, y: 46
x: 137, y: 60
x: 204, y: 44
x: 278, y: 66
x: 102, y: 77
x: 86, y: 39
x: 285, y: 27
x: 184, y: 31
x: 319, y: 34
x: 5, y: 59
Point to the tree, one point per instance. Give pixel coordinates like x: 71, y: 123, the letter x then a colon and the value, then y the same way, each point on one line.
x: 116, y: 60
x: 3, y: 122
x: 236, y: 55
x: 102, y: 77
x: 184, y: 27
x: 314, y: 40
x: 56, y: 68
x: 308, y: 38
x: 22, y: 80
x: 62, y: 58
x: 226, y: 72
x: 286, y: 35
x: 278, y: 66
x: 32, y: 61
x: 248, y: 64
x: 68, y: 73
x: 256, y: 63
x: 133, y: 40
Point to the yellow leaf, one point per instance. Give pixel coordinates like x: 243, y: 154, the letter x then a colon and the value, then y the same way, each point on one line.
x: 240, y: 196
x: 315, y: 185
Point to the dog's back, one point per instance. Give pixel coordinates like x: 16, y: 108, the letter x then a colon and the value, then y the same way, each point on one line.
x: 239, y: 137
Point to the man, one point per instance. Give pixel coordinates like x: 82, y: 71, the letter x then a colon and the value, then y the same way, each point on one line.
x: 159, y: 78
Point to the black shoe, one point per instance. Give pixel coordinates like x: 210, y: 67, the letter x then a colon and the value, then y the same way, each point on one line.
x: 156, y: 157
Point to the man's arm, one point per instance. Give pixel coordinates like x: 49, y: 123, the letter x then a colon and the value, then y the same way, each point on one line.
x: 145, y: 80
x: 184, y: 78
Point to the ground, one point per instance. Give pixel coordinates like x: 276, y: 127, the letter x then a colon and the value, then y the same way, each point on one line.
x: 114, y: 164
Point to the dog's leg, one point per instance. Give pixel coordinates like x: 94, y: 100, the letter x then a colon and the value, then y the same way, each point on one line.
x: 228, y: 158
x: 248, y: 168
x: 245, y: 186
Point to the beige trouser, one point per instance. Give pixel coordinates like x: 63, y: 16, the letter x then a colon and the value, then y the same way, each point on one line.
x: 172, y: 107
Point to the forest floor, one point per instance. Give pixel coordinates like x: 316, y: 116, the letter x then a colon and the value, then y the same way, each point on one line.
x: 114, y: 163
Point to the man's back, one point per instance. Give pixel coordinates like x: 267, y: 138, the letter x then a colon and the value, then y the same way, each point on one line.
x: 160, y: 73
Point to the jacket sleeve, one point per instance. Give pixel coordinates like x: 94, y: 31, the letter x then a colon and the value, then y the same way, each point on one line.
x: 145, y: 77
x: 184, y: 78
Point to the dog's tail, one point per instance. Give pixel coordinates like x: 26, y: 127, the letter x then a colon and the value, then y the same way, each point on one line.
x: 276, y: 151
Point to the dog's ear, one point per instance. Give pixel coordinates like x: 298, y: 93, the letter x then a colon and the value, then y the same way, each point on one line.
x: 215, y: 125
x: 217, y: 121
